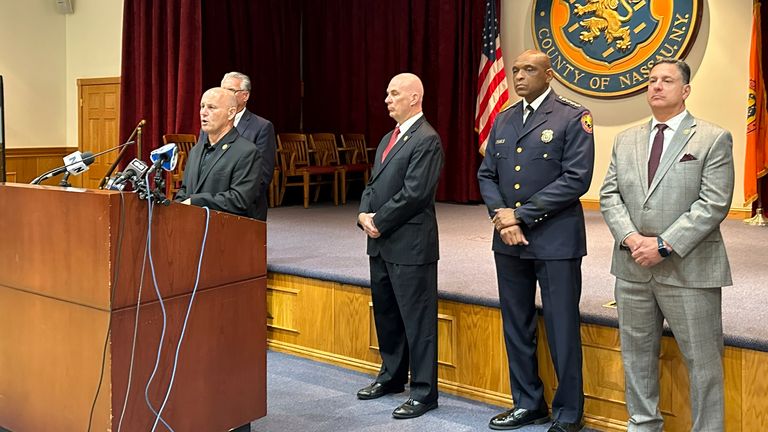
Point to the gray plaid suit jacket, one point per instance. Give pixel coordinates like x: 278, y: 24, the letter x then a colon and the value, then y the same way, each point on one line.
x: 685, y: 204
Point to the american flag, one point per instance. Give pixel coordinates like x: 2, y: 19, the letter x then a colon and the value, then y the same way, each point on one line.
x: 492, y: 94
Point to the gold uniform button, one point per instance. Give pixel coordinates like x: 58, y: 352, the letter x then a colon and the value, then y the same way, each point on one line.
x: 517, y: 185
x: 517, y: 167
x: 519, y: 149
x: 545, y: 155
x: 518, y: 204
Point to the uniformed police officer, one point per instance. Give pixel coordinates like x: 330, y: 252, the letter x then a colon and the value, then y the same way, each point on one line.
x: 538, y: 162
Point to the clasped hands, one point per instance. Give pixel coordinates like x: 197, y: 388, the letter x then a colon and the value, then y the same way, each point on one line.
x: 508, y: 227
x: 366, y: 221
x: 645, y: 250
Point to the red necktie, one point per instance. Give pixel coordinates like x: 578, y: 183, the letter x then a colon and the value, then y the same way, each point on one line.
x: 392, y: 141
x: 658, y: 145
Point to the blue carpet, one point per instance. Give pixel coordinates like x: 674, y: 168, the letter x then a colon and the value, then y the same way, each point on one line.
x: 306, y: 396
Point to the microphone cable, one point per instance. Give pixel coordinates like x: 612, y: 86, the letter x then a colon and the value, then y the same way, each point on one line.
x: 111, y: 301
x: 186, y: 318
x: 133, y: 341
x: 157, y: 414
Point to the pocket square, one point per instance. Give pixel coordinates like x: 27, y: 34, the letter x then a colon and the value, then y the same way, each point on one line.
x: 688, y: 157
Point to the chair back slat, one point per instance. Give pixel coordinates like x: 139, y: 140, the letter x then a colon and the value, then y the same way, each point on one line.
x: 324, y: 146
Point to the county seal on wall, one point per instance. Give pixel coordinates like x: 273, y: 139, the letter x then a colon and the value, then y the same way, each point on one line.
x: 606, y: 48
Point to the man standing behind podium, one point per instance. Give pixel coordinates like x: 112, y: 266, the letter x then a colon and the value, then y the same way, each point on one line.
x: 256, y: 129
x: 223, y: 168
x: 397, y: 212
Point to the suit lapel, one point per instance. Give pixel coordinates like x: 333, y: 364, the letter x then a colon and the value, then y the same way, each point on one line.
x: 225, y: 143
x: 679, y: 140
x: 401, y: 142
x: 242, y: 125
x: 643, y: 136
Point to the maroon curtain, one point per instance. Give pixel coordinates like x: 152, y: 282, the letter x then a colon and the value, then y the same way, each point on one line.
x: 161, y: 69
x: 259, y: 38
x: 351, y: 50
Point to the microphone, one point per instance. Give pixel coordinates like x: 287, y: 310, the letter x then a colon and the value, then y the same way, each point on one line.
x: 136, y: 169
x: 74, y: 163
x: 164, y: 157
x: 111, y: 169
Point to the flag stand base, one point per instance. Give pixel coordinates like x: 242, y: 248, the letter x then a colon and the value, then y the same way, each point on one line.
x: 758, y: 219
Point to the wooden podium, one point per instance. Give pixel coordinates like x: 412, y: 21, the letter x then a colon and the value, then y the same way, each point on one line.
x: 61, y: 250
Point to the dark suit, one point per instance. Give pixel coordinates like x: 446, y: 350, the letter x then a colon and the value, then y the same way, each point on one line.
x: 230, y: 180
x: 540, y: 170
x: 259, y: 131
x: 403, y: 259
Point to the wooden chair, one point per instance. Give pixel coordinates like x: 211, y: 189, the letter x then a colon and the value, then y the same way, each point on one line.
x: 184, y: 142
x: 294, y: 154
x: 326, y: 154
x: 356, y: 154
x: 274, y: 185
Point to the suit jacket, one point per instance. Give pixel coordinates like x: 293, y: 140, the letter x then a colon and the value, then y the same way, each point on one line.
x: 230, y: 181
x: 688, y: 199
x: 401, y: 191
x: 541, y: 169
x: 259, y: 131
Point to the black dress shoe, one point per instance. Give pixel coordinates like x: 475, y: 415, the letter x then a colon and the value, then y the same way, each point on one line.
x: 412, y: 409
x: 559, y: 426
x: 377, y: 390
x: 519, y: 417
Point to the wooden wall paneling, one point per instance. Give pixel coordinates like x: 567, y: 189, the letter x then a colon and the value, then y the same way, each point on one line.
x: 755, y: 387
x: 603, y: 377
x: 732, y: 368
x: 27, y: 163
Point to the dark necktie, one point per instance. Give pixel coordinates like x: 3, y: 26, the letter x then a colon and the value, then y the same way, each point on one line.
x: 655, y: 158
x: 392, y: 141
x: 529, y: 110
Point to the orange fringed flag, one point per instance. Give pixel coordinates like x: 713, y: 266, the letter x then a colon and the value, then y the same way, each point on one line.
x: 756, y: 160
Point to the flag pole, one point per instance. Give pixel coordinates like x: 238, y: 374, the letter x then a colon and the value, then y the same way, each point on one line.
x: 756, y: 159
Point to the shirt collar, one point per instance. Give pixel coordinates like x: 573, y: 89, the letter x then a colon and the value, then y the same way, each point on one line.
x: 408, y: 123
x: 238, y: 116
x: 538, y: 101
x: 672, y: 124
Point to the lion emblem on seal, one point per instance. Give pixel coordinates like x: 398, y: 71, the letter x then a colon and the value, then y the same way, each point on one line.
x: 607, y: 19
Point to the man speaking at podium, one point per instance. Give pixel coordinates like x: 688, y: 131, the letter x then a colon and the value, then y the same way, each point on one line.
x: 222, y: 171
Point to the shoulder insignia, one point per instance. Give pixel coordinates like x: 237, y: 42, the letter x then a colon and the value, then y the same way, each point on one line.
x: 509, y: 105
x: 566, y: 101
x: 586, y: 122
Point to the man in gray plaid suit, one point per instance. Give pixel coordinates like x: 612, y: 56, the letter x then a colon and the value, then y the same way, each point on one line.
x: 668, y: 187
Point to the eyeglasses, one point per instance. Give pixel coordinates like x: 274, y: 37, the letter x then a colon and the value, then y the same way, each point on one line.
x: 236, y: 91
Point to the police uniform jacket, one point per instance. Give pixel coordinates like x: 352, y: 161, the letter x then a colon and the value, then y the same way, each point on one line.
x: 540, y: 170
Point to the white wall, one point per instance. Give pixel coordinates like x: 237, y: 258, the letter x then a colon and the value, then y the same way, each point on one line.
x: 42, y: 54
x: 32, y: 63
x: 94, y: 47
x: 719, y: 60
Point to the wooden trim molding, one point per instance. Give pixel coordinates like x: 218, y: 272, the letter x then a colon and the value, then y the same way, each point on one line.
x: 733, y: 213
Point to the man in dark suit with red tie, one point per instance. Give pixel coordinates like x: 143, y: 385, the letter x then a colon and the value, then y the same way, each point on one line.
x: 537, y: 164
x: 397, y: 212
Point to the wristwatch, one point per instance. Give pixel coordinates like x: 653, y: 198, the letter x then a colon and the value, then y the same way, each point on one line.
x: 663, y: 251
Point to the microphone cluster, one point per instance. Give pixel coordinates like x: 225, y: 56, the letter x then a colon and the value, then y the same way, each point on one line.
x: 137, y: 174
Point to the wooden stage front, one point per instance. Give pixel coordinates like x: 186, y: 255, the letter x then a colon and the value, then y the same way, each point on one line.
x: 332, y: 322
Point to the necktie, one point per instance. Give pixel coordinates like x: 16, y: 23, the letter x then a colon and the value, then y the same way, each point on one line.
x: 658, y: 145
x: 528, y: 113
x: 392, y: 141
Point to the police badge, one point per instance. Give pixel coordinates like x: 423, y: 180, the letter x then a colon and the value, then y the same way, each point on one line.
x: 547, y: 135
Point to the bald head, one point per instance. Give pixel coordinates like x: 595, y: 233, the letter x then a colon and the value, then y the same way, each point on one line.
x: 217, y: 113
x: 531, y: 74
x: 405, y: 94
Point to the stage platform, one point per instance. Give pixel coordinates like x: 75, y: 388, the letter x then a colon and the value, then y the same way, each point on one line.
x: 319, y: 305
